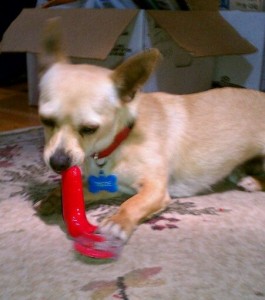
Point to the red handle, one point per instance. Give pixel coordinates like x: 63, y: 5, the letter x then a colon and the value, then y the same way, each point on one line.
x: 86, y: 241
x: 73, y: 203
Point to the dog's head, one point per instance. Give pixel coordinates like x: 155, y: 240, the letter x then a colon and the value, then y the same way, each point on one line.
x: 82, y: 107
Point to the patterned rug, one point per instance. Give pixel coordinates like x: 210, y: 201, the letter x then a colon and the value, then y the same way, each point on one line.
x: 204, y: 247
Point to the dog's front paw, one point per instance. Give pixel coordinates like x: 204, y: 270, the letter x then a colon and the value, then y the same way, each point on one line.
x: 250, y: 184
x: 116, y: 227
x: 50, y: 205
x: 115, y: 236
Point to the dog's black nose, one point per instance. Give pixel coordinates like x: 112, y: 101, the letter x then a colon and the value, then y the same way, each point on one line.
x: 60, y: 161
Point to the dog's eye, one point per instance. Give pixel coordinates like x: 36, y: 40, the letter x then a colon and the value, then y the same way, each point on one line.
x: 88, y: 130
x: 48, y: 122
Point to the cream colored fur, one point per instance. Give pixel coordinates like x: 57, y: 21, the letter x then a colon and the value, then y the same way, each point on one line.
x: 179, y: 144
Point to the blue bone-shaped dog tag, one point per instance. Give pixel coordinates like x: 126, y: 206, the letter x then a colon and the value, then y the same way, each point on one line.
x: 102, y: 183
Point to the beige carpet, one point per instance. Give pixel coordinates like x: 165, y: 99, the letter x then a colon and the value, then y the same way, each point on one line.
x: 206, y: 247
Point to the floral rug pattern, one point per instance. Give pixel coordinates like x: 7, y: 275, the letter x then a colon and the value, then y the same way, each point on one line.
x: 204, y: 247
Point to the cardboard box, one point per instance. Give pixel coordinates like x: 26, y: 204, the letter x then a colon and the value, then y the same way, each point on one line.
x: 245, y: 70
x: 189, y: 42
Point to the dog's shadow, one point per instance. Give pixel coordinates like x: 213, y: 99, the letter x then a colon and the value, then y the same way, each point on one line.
x: 37, y: 191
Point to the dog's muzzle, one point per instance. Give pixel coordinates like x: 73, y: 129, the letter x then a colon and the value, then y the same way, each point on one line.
x: 60, y: 161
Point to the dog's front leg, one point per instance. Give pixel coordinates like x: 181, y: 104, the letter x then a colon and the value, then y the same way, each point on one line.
x: 152, y: 198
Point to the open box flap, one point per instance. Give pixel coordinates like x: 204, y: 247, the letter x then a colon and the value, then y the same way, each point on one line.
x: 92, y: 33
x: 202, y: 33
x: 87, y: 32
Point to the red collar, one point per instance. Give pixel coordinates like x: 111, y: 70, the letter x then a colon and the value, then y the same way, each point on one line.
x: 119, y: 138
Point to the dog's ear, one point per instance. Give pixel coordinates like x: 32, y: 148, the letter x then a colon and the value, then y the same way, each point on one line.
x: 52, y: 44
x: 134, y: 72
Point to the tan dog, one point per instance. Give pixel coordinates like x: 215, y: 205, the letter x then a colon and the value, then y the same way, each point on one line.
x: 186, y: 142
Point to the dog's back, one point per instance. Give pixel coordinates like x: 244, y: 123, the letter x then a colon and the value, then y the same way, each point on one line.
x: 209, y: 134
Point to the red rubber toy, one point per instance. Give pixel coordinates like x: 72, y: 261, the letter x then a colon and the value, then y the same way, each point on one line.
x: 86, y: 239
